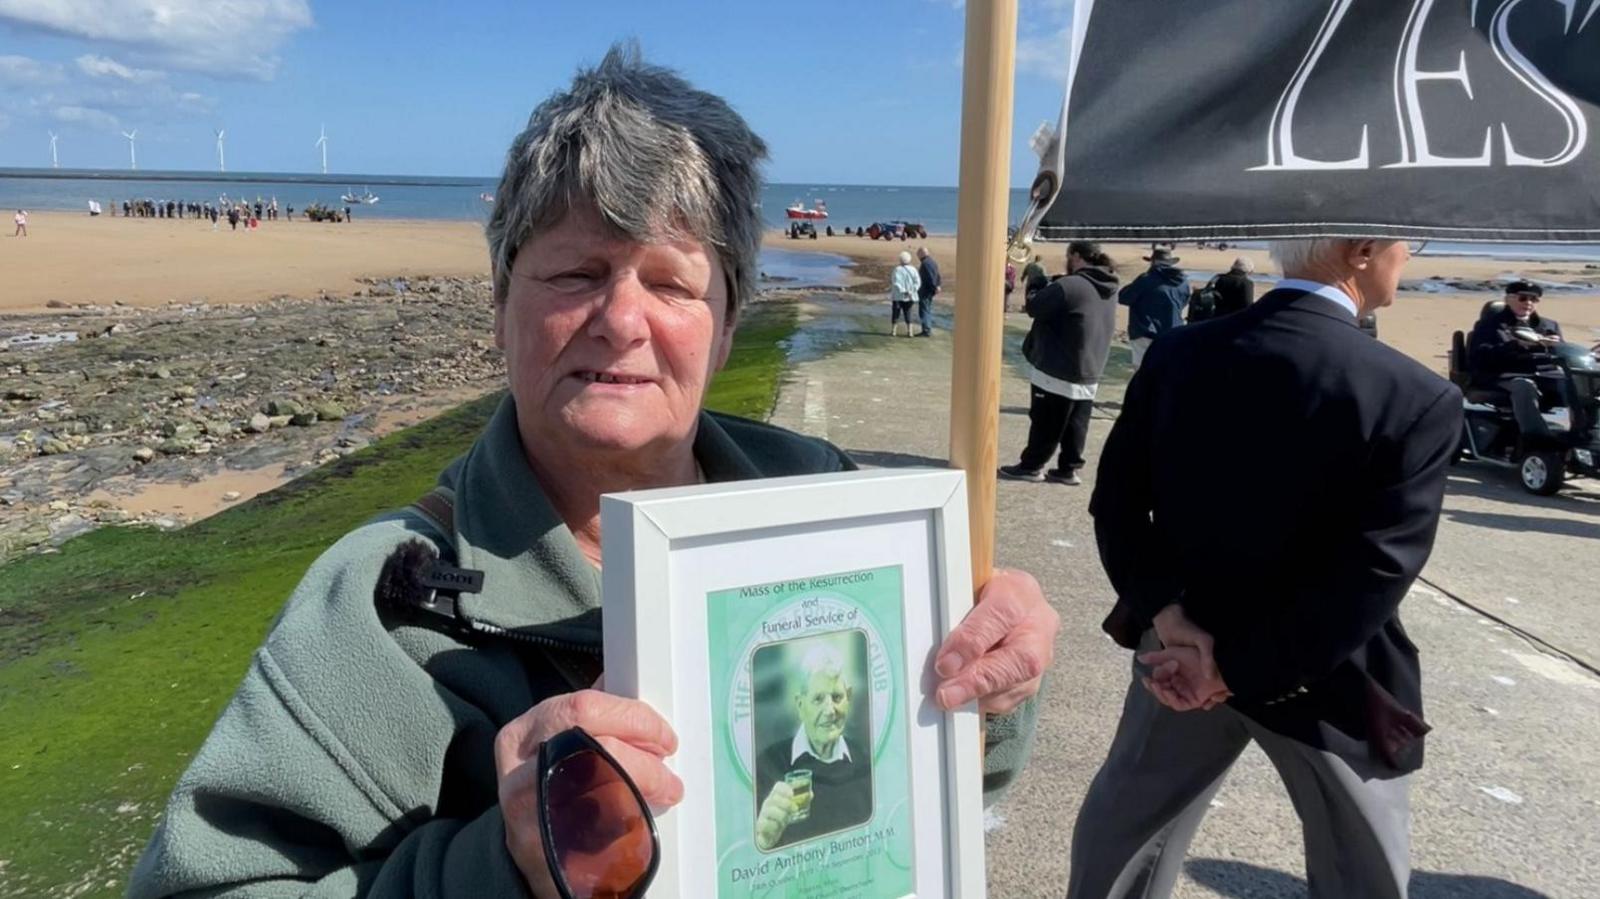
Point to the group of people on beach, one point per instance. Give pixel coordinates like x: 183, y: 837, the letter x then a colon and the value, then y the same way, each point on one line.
x: 236, y: 212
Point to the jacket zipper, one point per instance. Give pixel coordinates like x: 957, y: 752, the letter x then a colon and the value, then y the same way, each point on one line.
x: 532, y: 639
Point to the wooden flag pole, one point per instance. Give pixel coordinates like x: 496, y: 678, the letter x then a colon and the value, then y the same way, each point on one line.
x: 986, y: 98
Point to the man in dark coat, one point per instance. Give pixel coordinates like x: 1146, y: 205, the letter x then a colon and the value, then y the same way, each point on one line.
x: 1507, y: 349
x: 927, y: 289
x: 1067, y: 347
x: 1235, y: 290
x: 1264, y: 595
x: 1155, y: 301
x: 839, y: 775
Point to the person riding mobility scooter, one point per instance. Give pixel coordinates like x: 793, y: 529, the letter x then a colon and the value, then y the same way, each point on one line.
x: 1518, y: 375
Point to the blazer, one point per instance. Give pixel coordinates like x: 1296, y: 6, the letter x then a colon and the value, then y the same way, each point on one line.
x: 1279, y: 474
x: 928, y: 272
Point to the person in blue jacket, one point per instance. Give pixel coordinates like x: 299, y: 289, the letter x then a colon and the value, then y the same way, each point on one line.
x: 1155, y: 301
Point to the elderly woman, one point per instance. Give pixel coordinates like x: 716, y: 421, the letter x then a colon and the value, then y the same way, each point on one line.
x: 375, y: 751
x: 904, y: 282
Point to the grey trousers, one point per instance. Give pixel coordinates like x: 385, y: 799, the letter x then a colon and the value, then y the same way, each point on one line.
x: 1157, y: 783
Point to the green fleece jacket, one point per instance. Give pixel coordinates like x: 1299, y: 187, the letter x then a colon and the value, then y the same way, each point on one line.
x: 357, y: 757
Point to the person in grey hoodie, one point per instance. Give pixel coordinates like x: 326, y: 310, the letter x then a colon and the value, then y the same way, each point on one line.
x: 1067, y: 347
x: 1155, y: 301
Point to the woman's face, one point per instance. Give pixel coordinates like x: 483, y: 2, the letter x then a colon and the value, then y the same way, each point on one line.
x: 610, y: 344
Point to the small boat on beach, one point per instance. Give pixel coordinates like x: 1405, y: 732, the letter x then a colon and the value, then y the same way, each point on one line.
x: 366, y: 196
x: 486, y: 197
x: 798, y: 210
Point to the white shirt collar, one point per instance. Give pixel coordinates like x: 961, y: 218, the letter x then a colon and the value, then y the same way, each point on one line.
x: 802, y: 746
x: 1326, y: 291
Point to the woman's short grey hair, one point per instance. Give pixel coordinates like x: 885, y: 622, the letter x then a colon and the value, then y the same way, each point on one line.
x: 1243, y: 265
x: 657, y: 158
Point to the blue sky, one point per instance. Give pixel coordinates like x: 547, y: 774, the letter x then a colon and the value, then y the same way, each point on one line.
x: 861, y: 92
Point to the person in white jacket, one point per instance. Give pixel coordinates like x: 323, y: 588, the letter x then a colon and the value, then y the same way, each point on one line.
x: 903, y: 286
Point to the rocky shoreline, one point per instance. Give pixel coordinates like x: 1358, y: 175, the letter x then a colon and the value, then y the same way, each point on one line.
x: 100, y: 403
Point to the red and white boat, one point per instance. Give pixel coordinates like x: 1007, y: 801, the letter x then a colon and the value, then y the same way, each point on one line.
x: 799, y: 211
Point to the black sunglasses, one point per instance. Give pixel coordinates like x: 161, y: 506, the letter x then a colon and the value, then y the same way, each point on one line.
x: 599, y: 836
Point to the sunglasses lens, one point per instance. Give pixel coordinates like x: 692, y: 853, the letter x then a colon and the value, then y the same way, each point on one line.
x: 601, y: 835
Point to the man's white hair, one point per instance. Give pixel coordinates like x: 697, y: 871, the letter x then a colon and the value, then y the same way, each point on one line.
x: 1295, y: 256
x: 823, y: 658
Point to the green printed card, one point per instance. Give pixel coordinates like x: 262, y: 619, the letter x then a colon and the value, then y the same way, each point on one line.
x: 810, y: 711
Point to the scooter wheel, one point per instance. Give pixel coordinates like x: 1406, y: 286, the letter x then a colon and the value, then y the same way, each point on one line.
x: 1542, y: 472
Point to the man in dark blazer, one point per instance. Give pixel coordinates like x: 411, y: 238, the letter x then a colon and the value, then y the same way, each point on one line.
x: 1263, y: 591
x: 927, y: 289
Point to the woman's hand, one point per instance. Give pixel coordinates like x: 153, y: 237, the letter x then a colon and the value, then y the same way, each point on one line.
x: 633, y: 732
x: 999, y: 652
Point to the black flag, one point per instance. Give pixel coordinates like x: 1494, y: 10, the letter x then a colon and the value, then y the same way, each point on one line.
x: 1448, y: 119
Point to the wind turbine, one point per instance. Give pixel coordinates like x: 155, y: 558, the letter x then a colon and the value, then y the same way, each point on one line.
x: 323, y: 143
x: 54, y: 162
x: 221, y: 163
x: 133, y: 161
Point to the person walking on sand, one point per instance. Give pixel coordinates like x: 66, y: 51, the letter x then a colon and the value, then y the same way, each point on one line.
x: 1066, y: 349
x: 904, y: 283
x: 21, y: 218
x: 928, y: 271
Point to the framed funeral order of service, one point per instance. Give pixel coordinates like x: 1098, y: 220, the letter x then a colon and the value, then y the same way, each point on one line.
x: 787, y: 628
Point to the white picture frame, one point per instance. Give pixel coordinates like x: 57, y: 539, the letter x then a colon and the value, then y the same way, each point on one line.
x: 677, y: 559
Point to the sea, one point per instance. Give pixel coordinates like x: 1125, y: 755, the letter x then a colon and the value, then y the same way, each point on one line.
x: 461, y: 199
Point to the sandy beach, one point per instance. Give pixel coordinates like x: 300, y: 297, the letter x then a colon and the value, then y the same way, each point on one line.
x: 72, y: 258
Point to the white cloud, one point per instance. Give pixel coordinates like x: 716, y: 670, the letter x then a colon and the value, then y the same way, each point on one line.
x: 1044, y: 40
x: 218, y: 37
x: 80, y: 115
x: 103, y: 67
x: 20, y: 70
x: 1046, y: 55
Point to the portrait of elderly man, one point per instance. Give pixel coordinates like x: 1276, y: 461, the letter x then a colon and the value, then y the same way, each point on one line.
x: 376, y: 749
x: 816, y: 758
